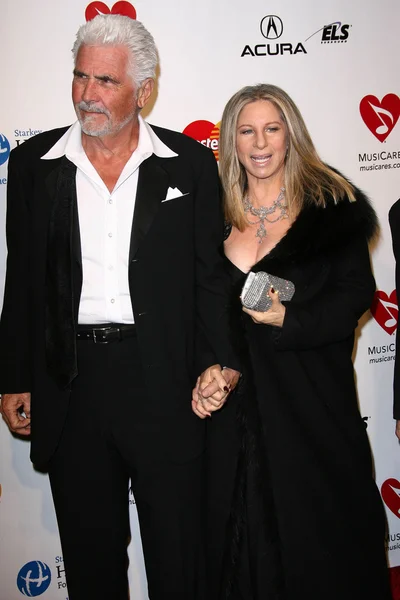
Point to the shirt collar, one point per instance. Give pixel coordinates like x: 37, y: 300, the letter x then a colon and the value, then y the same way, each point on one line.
x: 70, y: 144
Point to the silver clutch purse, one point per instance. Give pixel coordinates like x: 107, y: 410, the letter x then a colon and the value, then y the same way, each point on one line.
x: 255, y: 290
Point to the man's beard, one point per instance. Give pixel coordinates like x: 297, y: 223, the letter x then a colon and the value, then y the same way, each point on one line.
x: 88, y: 124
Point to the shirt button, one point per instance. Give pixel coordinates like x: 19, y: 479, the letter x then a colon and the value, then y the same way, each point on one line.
x: 112, y: 300
x: 110, y: 201
x: 110, y: 267
x: 110, y: 234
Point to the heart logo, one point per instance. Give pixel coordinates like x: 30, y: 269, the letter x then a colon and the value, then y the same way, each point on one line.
x: 390, y: 497
x: 380, y: 117
x: 385, y: 310
x: 120, y: 8
x: 394, y: 574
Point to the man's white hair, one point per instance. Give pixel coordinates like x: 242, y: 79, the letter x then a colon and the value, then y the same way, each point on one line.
x: 117, y: 30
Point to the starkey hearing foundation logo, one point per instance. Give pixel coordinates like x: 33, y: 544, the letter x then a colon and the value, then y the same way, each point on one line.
x: 119, y: 8
x: 206, y: 133
x: 20, y: 136
x: 380, y: 116
x: 4, y: 149
x: 34, y: 578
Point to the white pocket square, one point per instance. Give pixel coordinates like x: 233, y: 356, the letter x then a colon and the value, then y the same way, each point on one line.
x: 173, y: 193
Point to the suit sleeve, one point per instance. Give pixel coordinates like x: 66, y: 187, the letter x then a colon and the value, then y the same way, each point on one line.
x: 14, y: 323
x: 394, y: 221
x: 331, y: 315
x: 212, y: 280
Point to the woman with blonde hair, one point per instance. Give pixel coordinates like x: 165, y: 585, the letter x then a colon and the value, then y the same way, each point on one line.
x: 306, y: 520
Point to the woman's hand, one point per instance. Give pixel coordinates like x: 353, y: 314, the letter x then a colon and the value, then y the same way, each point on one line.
x: 212, y: 389
x: 273, y: 316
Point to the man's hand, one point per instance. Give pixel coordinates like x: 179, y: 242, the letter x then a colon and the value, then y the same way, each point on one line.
x: 16, y: 411
x: 212, y: 389
x: 398, y: 429
x: 273, y: 316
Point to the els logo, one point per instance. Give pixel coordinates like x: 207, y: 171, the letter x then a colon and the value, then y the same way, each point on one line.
x: 385, y: 310
x: 206, y: 133
x: 120, y: 8
x: 380, y: 116
x: 334, y: 33
x: 34, y: 578
x: 390, y: 491
x: 4, y: 149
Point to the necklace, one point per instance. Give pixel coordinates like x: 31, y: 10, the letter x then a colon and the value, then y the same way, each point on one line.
x: 263, y: 213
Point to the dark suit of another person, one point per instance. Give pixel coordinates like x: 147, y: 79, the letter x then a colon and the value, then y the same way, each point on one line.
x: 394, y: 221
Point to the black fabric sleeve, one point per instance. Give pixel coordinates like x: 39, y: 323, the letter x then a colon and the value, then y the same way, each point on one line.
x: 212, y: 280
x: 394, y: 221
x: 332, y: 315
x: 14, y: 323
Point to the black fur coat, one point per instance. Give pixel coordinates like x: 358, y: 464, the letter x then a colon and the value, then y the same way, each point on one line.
x: 304, y: 487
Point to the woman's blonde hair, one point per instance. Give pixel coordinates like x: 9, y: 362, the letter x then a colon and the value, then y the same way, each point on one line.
x: 307, y: 178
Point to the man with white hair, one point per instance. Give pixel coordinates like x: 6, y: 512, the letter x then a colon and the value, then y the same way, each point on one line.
x: 115, y: 301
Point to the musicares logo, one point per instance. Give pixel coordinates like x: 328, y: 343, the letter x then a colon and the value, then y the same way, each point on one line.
x: 385, y: 310
x: 120, y: 8
x: 380, y: 116
x: 206, y: 133
x: 390, y: 491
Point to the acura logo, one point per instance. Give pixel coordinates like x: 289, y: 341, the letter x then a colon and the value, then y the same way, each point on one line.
x: 271, y: 27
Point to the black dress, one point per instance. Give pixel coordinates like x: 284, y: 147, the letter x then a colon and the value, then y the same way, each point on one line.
x: 304, y: 517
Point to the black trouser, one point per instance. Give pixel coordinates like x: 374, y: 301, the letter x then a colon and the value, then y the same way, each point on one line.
x: 110, y: 437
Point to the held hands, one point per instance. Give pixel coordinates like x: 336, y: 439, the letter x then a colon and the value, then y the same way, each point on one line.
x: 273, y: 316
x: 212, y: 389
x: 13, y: 408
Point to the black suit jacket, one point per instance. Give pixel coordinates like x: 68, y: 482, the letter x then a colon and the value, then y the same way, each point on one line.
x: 178, y: 285
x: 394, y: 221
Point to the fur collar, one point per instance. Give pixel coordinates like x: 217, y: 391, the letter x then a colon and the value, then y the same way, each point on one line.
x: 325, y: 230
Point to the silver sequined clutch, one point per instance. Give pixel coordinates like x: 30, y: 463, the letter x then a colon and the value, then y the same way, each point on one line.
x: 255, y: 290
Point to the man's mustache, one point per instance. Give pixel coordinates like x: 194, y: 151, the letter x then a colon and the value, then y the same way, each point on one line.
x: 92, y: 107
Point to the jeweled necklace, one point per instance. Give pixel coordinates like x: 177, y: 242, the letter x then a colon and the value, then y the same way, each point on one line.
x: 263, y: 212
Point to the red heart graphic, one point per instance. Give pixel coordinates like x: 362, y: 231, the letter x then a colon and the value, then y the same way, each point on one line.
x: 390, y: 497
x: 380, y: 117
x: 99, y: 8
x: 385, y: 310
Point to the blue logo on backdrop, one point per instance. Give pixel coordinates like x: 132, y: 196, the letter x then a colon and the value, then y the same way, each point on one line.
x: 34, y: 578
x: 4, y: 149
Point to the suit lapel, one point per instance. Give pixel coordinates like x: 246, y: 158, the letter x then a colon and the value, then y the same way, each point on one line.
x: 64, y: 176
x: 62, y: 248
x: 151, y: 190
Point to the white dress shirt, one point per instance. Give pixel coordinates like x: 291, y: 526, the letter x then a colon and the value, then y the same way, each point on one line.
x: 105, y: 222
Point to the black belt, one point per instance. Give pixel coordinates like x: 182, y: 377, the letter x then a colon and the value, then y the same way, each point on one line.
x: 106, y: 333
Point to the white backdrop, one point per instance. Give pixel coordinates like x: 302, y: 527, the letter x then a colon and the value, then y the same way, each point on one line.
x: 340, y: 61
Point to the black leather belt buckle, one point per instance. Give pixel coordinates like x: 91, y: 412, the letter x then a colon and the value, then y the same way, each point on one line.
x: 107, y: 334
x: 104, y: 335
